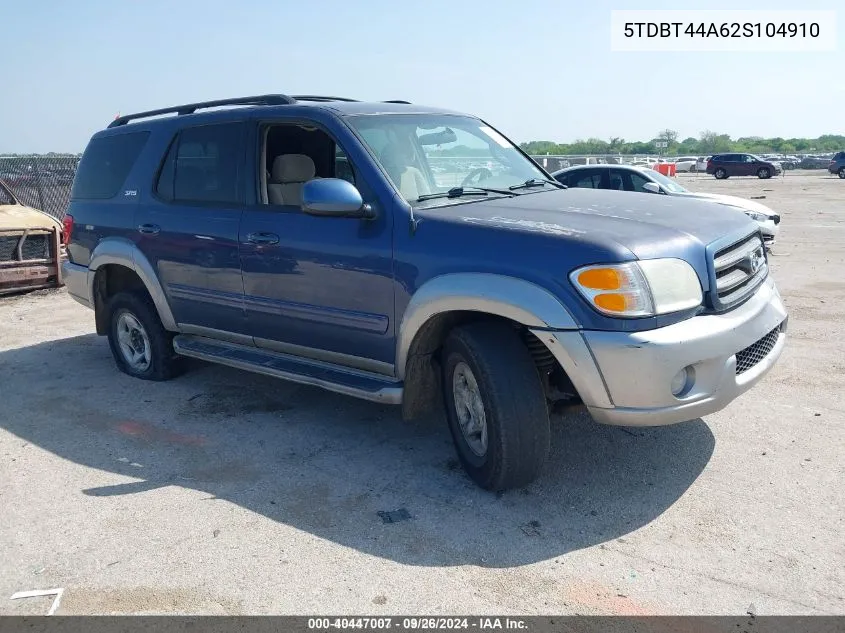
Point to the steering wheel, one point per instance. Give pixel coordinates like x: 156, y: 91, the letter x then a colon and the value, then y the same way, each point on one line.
x: 477, y: 175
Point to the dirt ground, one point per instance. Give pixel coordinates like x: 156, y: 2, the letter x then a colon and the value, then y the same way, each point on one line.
x: 226, y: 492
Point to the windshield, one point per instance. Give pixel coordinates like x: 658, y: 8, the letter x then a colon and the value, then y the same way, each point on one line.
x: 428, y: 154
x: 666, y: 182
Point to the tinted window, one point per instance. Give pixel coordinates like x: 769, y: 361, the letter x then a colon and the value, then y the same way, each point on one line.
x: 202, y: 165
x: 105, y: 165
x: 587, y: 180
x: 616, y: 180
x: 637, y: 182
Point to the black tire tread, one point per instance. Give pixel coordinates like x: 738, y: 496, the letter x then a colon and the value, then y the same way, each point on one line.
x: 514, y: 401
x: 166, y: 364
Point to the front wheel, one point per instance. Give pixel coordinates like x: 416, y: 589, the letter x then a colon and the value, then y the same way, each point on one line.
x: 842, y: 172
x: 764, y: 173
x: 495, y: 405
x: 720, y: 174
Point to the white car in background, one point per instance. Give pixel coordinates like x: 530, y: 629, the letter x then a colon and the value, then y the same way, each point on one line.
x: 701, y: 164
x: 686, y: 163
x: 645, y: 180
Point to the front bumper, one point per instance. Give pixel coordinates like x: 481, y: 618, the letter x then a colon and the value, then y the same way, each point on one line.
x: 76, y: 282
x: 624, y: 378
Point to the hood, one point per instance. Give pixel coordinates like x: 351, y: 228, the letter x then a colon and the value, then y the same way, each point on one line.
x: 734, y: 201
x: 17, y: 216
x: 646, y: 225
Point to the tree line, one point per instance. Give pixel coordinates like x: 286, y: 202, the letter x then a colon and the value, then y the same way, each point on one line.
x: 708, y: 142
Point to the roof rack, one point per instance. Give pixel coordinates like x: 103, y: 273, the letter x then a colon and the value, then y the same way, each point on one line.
x: 190, y: 108
x: 322, y: 98
x: 259, y: 100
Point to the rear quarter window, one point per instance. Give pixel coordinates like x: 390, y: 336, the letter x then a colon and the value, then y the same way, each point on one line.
x: 105, y: 164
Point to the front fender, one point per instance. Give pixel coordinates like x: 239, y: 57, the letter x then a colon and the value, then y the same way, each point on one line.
x: 123, y: 252
x: 508, y: 297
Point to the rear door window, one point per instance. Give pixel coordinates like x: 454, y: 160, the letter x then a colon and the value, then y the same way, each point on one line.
x: 105, y: 165
x: 589, y: 179
x: 202, y: 165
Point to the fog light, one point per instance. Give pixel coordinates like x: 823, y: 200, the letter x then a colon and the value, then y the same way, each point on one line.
x: 682, y: 382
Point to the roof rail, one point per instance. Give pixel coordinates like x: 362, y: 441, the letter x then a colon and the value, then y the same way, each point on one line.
x: 322, y: 98
x: 397, y: 101
x: 190, y: 108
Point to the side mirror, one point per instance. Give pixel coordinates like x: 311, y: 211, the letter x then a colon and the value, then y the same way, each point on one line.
x: 334, y: 197
x: 652, y: 187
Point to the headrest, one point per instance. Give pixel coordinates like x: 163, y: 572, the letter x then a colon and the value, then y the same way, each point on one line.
x: 293, y: 168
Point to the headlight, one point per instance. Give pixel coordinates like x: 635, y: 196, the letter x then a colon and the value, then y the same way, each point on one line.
x: 759, y: 217
x: 638, y: 289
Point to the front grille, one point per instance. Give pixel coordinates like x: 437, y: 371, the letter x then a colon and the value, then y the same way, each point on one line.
x: 738, y: 270
x: 33, y: 247
x: 754, y: 353
x: 9, y: 248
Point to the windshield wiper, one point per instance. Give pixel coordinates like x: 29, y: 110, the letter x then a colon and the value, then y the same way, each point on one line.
x: 457, y: 192
x: 538, y: 182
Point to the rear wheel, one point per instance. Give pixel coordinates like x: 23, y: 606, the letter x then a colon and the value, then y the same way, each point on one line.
x: 720, y: 174
x: 764, y: 172
x: 495, y: 405
x: 842, y: 172
x: 139, y: 343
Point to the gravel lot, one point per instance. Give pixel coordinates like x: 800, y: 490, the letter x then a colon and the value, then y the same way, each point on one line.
x: 225, y: 492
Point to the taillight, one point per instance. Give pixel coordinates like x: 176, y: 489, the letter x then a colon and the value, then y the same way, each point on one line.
x: 67, y: 228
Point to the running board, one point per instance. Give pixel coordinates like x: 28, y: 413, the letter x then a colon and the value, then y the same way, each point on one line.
x: 344, y: 380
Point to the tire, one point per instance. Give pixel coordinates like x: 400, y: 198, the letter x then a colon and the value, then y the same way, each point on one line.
x: 720, y: 174
x: 513, y: 447
x: 763, y: 173
x: 135, y: 328
x: 842, y: 172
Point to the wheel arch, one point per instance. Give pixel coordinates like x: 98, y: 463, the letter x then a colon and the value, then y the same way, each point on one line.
x: 122, y: 253
x: 451, y: 300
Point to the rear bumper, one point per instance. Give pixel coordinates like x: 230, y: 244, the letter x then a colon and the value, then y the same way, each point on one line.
x: 76, y: 282
x: 626, y: 377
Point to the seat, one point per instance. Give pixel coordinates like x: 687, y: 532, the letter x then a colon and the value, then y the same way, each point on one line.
x: 410, y: 180
x: 290, y: 172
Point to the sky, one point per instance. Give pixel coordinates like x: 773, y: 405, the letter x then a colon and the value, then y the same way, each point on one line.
x: 536, y: 70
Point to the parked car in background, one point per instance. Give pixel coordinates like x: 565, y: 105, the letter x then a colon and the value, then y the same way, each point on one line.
x: 726, y: 165
x: 686, y: 163
x: 494, y: 296
x: 643, y: 180
x: 30, y: 246
x: 837, y: 164
x: 701, y: 163
x: 814, y: 162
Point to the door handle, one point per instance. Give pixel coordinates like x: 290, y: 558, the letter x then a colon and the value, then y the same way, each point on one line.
x: 262, y: 238
x: 149, y: 229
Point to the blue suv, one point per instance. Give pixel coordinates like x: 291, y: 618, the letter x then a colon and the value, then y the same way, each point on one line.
x: 413, y: 256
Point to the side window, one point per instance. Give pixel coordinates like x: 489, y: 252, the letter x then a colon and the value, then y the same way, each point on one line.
x: 747, y: 159
x: 342, y: 166
x: 563, y: 179
x: 616, y: 180
x: 106, y: 164
x: 202, y: 165
x: 589, y: 180
x: 296, y: 153
x: 637, y: 182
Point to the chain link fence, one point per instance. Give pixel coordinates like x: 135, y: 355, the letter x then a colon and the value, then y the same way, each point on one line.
x: 42, y: 182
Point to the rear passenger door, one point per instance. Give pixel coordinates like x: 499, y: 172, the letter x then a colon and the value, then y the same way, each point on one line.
x: 188, y: 228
